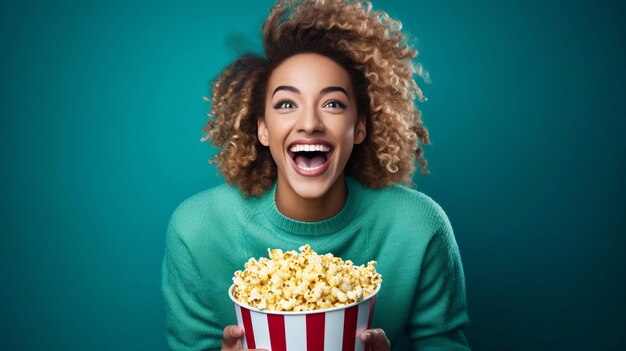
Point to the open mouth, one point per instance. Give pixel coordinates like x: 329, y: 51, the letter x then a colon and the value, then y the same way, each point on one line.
x: 310, y: 157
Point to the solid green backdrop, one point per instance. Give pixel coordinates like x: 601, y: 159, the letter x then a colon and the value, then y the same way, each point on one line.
x: 102, y: 107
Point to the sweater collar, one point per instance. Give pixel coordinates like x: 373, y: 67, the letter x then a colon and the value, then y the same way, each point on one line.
x: 325, y: 227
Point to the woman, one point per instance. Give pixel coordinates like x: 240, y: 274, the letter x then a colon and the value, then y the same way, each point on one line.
x: 317, y: 142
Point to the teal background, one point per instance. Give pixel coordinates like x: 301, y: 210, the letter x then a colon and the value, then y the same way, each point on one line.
x: 101, y: 106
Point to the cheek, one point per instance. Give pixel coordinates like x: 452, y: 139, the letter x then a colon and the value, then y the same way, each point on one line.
x: 347, y: 130
x: 276, y: 136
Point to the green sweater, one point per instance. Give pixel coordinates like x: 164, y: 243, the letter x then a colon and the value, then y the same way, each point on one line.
x: 213, y: 233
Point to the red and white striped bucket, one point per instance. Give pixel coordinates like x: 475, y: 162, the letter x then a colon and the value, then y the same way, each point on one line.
x: 330, y: 329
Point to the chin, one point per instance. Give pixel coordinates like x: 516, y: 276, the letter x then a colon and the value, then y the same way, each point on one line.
x: 310, y: 189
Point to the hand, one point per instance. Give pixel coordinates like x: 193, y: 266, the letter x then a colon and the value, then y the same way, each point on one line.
x: 377, y: 339
x: 231, y: 338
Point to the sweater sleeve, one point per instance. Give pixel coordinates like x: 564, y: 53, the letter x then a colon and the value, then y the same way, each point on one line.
x: 190, y: 323
x: 439, y: 308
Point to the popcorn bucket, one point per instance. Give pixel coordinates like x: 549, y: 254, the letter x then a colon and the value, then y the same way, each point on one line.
x: 329, y: 329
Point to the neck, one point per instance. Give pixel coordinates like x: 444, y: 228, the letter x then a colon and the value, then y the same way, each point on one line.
x: 312, y: 209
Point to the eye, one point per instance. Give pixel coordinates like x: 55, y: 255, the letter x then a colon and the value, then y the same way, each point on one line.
x: 334, y: 104
x: 284, y: 104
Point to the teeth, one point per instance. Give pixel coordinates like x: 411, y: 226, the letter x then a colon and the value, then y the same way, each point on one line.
x: 309, y: 147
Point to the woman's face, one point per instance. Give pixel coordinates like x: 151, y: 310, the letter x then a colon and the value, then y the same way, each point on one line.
x: 310, y: 124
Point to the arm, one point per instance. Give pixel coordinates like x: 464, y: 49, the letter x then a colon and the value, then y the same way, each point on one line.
x: 190, y: 322
x: 439, y: 309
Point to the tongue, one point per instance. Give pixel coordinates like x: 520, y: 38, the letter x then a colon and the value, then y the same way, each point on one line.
x: 304, y: 161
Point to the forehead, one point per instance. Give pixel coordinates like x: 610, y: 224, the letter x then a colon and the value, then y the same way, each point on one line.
x: 309, y: 73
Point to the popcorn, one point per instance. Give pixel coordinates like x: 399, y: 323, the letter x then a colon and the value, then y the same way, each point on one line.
x: 305, y: 281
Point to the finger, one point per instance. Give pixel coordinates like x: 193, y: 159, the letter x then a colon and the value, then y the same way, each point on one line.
x: 231, y: 338
x: 376, y: 338
x: 365, y: 336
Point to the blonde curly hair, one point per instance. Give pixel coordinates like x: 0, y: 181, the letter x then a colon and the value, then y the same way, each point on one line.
x: 370, y: 46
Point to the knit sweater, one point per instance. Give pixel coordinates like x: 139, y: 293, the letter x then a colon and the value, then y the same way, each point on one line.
x: 213, y: 233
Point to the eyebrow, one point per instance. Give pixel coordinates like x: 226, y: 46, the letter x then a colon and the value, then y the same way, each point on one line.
x: 286, y: 87
x: 295, y: 90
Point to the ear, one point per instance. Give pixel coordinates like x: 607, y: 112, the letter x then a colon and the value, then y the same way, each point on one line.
x: 359, y: 130
x: 262, y: 131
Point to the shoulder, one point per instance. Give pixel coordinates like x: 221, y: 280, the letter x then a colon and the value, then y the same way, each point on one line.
x: 210, y: 208
x: 400, y: 202
x: 205, y: 203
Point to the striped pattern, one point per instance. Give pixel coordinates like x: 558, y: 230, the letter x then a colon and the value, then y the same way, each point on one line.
x: 326, y: 331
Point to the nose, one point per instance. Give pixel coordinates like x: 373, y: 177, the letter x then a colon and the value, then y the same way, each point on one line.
x: 310, y: 121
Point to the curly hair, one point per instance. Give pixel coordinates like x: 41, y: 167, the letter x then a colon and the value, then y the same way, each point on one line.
x: 370, y: 46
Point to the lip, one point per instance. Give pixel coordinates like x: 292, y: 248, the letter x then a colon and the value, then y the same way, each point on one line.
x: 313, y: 172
